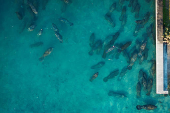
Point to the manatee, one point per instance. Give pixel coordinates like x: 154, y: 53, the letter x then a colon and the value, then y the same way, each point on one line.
x: 64, y: 20
x: 114, y: 38
x: 92, y: 39
x: 149, y: 86
x: 143, y: 45
x: 140, y: 21
x: 31, y: 27
x: 93, y: 77
x: 46, y: 53
x: 40, y: 32
x: 141, y: 59
x: 124, y: 21
x: 117, y: 94
x: 135, y: 2
x: 97, y: 45
x: 140, y: 76
x: 107, y: 40
x: 108, y: 50
x: 146, y: 17
x: 138, y: 90
x: 144, y: 81
x: 36, y: 44
x: 141, y: 25
x: 110, y: 44
x: 111, y: 75
x: 149, y: 29
x: 55, y: 28
x: 137, y: 29
x: 132, y: 59
x: 123, y: 13
x: 34, y: 10
x: 146, y: 107
x: 19, y: 15
x: 145, y: 53
x: 109, y: 19
x: 59, y: 37
x: 98, y: 65
x: 123, y: 72
x: 126, y: 55
x: 112, y: 7
x: 126, y: 45
x: 153, y: 68
x: 99, y: 49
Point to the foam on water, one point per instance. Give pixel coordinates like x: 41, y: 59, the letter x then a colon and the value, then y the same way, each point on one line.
x: 60, y: 84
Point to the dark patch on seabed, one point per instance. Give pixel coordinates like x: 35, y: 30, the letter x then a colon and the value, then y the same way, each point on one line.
x: 78, y: 56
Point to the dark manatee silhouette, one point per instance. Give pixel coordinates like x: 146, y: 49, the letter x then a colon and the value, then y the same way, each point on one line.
x: 111, y: 75
x: 46, y: 53
x: 123, y: 13
x: 55, y: 28
x: 144, y: 81
x: 59, y: 37
x: 119, y: 94
x: 109, y: 19
x: 36, y: 44
x: 112, y: 8
x: 125, y: 46
x: 149, y: 86
x: 138, y: 90
x: 98, y: 65
x: 123, y: 72
x: 146, y: 107
x: 133, y: 59
x: 92, y: 40
x: 94, y: 77
x: 64, y: 20
x: 110, y: 44
x: 97, y: 47
x: 152, y: 70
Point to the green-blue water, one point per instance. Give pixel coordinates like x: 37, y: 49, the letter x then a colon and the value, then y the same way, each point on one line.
x: 60, y: 83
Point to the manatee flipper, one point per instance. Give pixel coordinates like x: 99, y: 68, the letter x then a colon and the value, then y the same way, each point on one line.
x: 41, y: 58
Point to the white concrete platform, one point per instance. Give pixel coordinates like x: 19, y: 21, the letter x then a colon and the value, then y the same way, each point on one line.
x: 159, y: 48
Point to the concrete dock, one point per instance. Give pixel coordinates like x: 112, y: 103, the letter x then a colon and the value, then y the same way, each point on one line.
x: 159, y: 49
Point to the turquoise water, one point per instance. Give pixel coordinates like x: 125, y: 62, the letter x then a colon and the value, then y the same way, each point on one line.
x: 60, y: 83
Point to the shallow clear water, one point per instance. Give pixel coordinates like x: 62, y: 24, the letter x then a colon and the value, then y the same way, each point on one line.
x: 60, y: 83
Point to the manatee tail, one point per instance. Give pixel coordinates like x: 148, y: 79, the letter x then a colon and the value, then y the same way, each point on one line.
x: 138, y: 107
x: 41, y: 58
